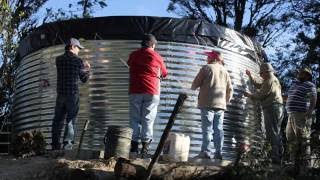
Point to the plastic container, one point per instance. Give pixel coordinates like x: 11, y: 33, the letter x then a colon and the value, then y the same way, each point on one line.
x: 176, y: 148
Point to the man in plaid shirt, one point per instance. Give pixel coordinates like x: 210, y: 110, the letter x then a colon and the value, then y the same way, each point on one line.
x: 70, y: 68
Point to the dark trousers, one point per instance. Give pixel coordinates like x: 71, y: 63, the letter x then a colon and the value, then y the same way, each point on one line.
x: 273, y: 116
x: 67, y: 107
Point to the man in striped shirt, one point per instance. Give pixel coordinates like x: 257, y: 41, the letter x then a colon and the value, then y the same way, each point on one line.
x: 301, y: 102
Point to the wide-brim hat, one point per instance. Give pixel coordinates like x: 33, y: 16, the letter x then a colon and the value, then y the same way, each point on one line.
x: 266, y: 67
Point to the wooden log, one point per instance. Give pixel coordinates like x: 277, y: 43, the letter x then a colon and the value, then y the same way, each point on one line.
x: 137, y: 169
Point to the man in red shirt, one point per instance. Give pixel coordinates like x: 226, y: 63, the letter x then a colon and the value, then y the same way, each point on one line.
x: 146, y: 68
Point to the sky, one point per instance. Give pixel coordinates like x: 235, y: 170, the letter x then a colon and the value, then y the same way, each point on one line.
x: 124, y: 7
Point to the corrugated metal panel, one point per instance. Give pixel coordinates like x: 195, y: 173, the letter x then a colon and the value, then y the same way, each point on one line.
x: 104, y: 99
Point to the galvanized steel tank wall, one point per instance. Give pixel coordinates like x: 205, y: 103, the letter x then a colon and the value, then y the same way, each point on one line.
x: 104, y: 99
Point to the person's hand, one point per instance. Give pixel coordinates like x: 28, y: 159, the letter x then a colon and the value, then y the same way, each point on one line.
x: 309, y: 114
x: 247, y: 94
x: 248, y: 73
x: 86, y: 64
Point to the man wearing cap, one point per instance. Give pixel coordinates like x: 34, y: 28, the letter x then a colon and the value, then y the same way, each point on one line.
x: 269, y: 94
x: 70, y: 68
x: 146, y: 68
x: 215, y: 92
x: 301, y: 102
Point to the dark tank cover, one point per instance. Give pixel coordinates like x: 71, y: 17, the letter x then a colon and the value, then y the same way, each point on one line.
x: 133, y: 27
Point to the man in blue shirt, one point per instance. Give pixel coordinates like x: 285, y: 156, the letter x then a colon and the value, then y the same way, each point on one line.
x: 302, y: 97
x: 70, y: 68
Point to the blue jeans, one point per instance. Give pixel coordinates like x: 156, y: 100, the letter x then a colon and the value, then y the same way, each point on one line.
x: 143, y: 112
x: 67, y: 107
x: 212, y: 120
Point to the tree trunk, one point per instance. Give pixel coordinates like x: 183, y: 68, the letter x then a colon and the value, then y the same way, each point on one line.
x: 239, y: 7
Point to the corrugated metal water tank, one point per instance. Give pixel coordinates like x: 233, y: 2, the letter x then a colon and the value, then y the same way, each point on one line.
x: 104, y: 99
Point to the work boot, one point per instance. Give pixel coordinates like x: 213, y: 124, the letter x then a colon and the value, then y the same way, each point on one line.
x: 217, y: 156
x: 134, y: 150
x: 145, y: 149
x: 67, y: 145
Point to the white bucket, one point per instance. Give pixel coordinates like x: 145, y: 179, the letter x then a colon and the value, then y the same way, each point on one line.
x: 176, y: 148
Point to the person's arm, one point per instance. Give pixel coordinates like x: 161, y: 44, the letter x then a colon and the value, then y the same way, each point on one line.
x: 313, y: 102
x: 254, y: 81
x: 265, y: 90
x: 129, y: 62
x: 84, y: 71
x: 163, y: 69
x: 198, y: 79
x: 229, y: 90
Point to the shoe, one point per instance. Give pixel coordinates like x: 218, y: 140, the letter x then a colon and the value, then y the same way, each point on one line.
x: 67, y: 146
x: 144, y: 151
x: 134, y: 150
x: 218, y: 156
x: 134, y: 146
x: 133, y: 155
x: 203, y: 155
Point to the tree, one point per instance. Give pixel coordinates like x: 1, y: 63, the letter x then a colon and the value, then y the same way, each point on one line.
x: 308, y: 12
x: 304, y: 48
x: 81, y: 9
x: 264, y: 20
x: 17, y: 18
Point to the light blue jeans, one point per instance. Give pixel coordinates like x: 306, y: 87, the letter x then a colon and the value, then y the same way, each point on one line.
x: 143, y: 112
x: 212, y: 121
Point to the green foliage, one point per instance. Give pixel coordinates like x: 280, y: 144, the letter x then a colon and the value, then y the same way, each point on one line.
x: 28, y: 144
x: 17, y: 19
x: 264, y: 20
x: 81, y: 9
x: 304, y: 48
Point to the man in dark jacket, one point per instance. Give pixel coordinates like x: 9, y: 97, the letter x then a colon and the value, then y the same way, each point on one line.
x: 70, y: 68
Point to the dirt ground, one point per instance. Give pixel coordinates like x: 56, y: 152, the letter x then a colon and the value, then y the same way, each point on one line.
x: 47, y: 168
x: 57, y: 166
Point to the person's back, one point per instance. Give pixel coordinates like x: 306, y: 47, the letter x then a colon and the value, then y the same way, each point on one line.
x: 214, y: 86
x: 273, y: 94
x: 146, y: 68
x: 69, y: 67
